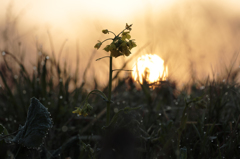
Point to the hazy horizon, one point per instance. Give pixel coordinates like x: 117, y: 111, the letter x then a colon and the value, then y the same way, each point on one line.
x: 189, y: 36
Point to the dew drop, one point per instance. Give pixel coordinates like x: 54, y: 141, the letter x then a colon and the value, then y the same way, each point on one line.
x: 64, y: 128
x: 202, y: 87
x: 115, y: 110
x: 168, y: 108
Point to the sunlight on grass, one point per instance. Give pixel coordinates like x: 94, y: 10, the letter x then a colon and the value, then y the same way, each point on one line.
x: 150, y: 68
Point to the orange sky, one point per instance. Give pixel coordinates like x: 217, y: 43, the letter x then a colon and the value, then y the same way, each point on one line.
x: 182, y: 32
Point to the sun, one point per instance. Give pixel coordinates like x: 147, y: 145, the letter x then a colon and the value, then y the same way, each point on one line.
x: 151, y: 68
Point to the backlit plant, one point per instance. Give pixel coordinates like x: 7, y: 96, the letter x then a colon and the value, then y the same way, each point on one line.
x: 121, y: 45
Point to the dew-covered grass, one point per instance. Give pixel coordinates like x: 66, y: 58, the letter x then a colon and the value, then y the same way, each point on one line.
x: 199, y: 121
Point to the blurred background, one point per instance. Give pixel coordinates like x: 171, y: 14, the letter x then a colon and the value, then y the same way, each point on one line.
x: 196, y: 39
x: 47, y: 51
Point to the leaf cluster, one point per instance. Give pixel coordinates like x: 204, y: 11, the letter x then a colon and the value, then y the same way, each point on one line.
x: 121, y: 44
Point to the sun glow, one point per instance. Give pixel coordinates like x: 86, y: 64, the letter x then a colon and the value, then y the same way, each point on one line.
x: 150, y: 68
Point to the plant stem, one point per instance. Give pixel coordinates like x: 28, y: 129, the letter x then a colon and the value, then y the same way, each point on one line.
x: 112, y: 33
x: 107, y: 39
x: 109, y: 90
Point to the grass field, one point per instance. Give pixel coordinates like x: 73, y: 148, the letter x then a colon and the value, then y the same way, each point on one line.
x: 199, y: 121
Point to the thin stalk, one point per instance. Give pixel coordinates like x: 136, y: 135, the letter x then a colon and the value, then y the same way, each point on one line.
x: 102, y: 57
x: 107, y: 39
x: 109, y: 90
x: 112, y: 33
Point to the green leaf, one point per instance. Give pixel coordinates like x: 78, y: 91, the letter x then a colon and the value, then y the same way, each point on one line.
x: 131, y: 44
x: 36, y: 126
x: 3, y: 130
x: 112, y: 46
x: 107, y: 48
x: 126, y: 35
x: 4, y: 135
x: 116, y: 53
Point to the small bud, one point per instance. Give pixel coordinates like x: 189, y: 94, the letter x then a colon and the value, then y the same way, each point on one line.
x: 128, y: 27
x: 98, y: 45
x: 105, y: 31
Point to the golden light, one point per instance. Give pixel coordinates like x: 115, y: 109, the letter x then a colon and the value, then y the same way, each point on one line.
x: 150, y: 68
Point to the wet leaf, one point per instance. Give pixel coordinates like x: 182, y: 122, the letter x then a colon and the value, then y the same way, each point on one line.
x: 3, y: 130
x: 36, y: 126
x: 4, y: 135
